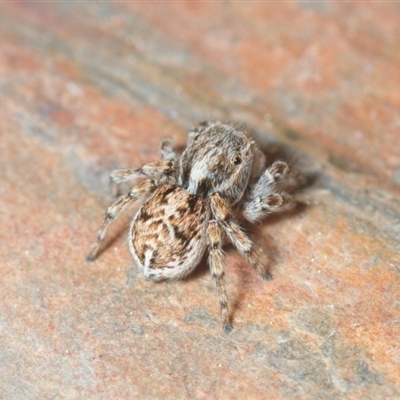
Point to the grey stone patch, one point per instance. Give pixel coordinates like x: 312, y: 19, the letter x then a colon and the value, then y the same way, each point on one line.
x: 137, y: 330
x: 316, y: 320
x: 93, y: 176
x: 36, y: 127
x: 345, y: 163
x: 200, y: 315
x: 251, y: 333
x: 366, y: 376
x: 349, y: 366
x: 131, y: 275
x: 319, y: 360
x: 396, y: 176
x: 293, y: 134
x: 295, y: 359
x: 385, y: 223
x: 317, y: 6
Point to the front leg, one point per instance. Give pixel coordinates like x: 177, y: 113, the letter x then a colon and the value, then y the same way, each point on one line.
x: 168, y: 150
x: 268, y: 194
x: 235, y: 234
x: 215, y: 259
x: 158, y: 171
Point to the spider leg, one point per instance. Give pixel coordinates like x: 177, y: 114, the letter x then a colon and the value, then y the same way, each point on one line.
x: 197, y: 130
x: 116, y: 209
x: 157, y: 171
x: 235, y: 234
x: 214, y: 243
x: 268, y: 194
x: 168, y: 150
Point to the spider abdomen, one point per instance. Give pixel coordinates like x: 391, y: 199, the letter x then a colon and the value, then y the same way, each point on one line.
x: 167, y: 237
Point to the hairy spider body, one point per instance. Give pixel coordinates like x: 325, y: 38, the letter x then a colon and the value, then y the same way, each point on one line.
x: 194, y: 203
x: 167, y: 235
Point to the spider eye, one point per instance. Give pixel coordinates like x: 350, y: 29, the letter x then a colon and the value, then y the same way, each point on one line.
x: 237, y: 160
x: 194, y: 138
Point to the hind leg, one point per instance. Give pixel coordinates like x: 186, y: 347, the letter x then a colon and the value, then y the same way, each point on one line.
x: 215, y: 259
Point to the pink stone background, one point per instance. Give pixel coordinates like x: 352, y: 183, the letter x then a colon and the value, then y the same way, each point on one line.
x: 87, y: 87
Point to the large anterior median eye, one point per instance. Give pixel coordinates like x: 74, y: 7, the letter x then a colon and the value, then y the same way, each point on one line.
x: 237, y: 160
x: 193, y: 137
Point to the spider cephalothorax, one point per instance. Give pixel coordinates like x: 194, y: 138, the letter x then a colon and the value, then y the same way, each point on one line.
x: 219, y: 160
x: 191, y: 204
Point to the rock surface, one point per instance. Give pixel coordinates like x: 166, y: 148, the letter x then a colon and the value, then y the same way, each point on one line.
x: 86, y: 87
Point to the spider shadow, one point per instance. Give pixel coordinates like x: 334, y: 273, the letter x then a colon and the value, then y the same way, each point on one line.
x: 265, y: 245
x: 267, y: 251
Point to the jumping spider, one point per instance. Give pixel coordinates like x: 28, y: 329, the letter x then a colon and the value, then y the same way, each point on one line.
x: 194, y: 203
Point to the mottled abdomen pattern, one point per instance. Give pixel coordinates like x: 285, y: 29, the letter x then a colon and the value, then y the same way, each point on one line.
x: 168, y: 234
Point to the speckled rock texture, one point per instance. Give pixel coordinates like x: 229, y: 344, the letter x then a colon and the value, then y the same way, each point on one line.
x: 86, y: 87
